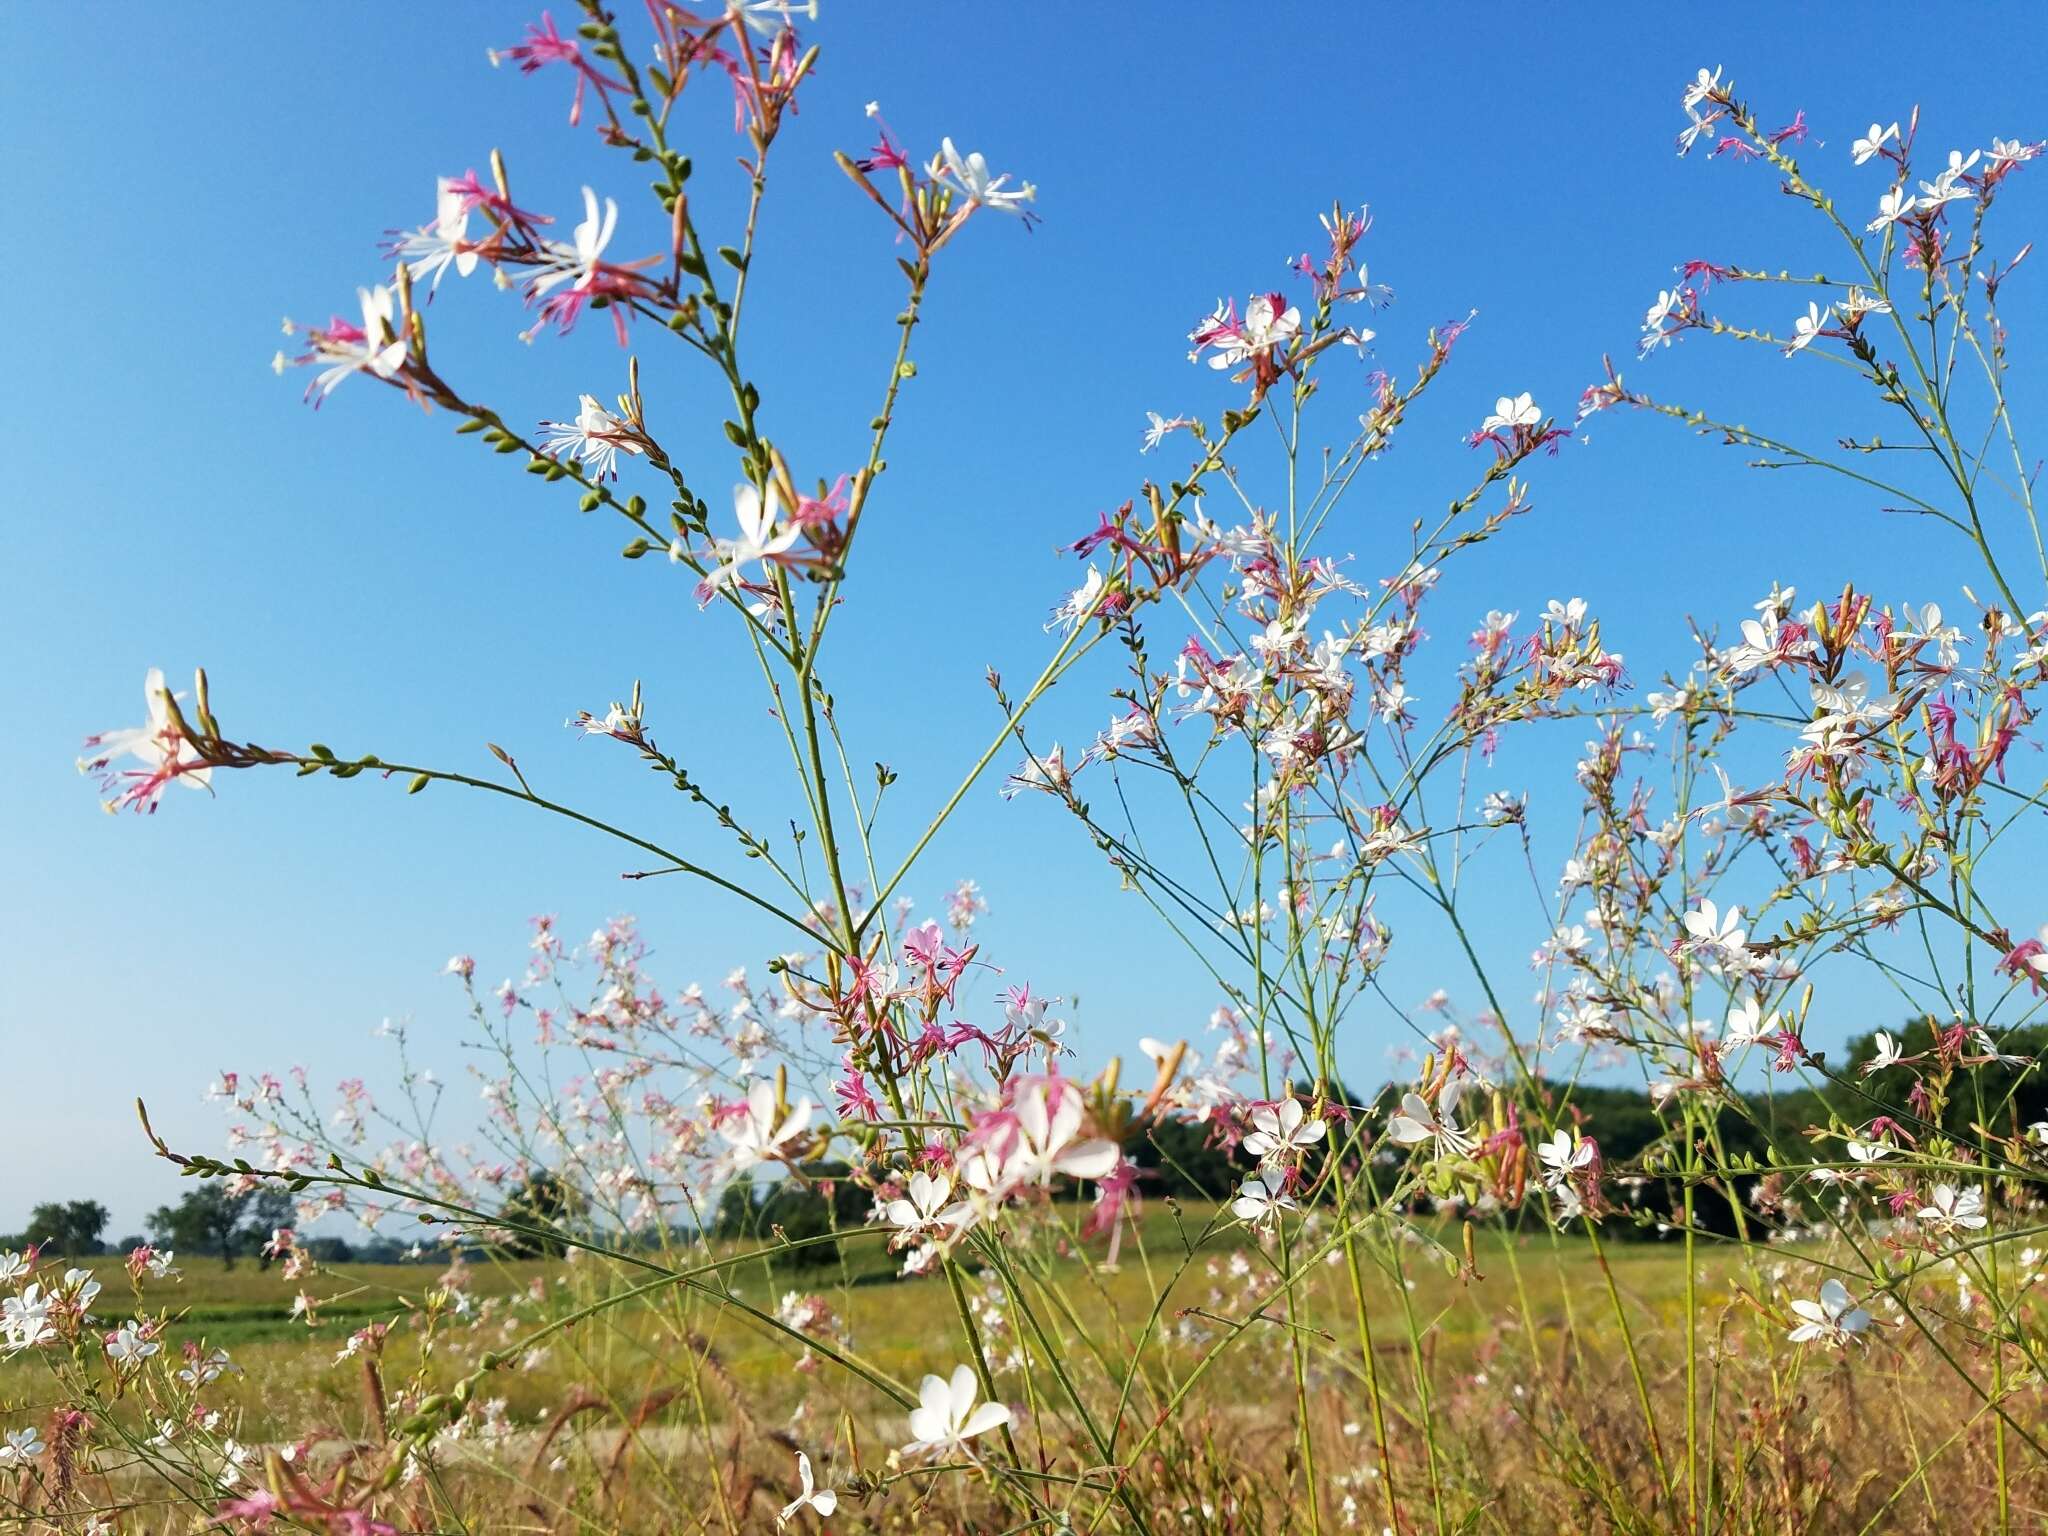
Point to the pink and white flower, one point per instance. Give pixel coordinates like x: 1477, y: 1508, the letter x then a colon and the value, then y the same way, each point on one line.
x: 158, y: 745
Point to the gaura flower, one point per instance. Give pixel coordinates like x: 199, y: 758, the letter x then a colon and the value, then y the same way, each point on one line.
x: 968, y: 175
x: 596, y: 436
x: 1808, y: 326
x: 756, y: 1136
x: 822, y: 1500
x: 923, y: 1204
x: 1830, y: 1320
x: 1512, y: 412
x: 1281, y: 1128
x: 757, y: 516
x: 1259, y: 1198
x: 157, y: 745
x: 1417, y: 1123
x: 947, y: 1417
x: 1949, y: 1209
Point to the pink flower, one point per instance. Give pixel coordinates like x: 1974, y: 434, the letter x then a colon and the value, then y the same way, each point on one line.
x: 545, y: 46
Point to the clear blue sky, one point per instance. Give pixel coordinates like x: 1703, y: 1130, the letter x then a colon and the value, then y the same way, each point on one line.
x: 358, y: 576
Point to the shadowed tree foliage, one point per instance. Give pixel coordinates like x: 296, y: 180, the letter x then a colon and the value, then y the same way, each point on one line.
x: 69, y: 1227
x: 207, y: 1219
x: 545, y: 1201
x: 824, y: 1200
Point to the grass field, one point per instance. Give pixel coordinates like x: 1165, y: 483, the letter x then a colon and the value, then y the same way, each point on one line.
x: 1168, y: 1276
x: 613, y: 1417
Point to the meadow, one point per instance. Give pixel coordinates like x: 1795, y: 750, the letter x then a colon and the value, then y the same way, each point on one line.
x: 1178, y: 1263
x: 677, y: 1399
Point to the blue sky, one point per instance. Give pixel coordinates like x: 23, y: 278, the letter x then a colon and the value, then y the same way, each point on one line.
x: 358, y: 576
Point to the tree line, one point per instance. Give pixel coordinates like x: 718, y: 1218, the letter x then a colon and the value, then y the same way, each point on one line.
x: 205, y: 1220
x: 1191, y: 1162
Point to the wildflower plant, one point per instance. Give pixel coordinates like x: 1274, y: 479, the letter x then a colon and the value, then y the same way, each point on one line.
x: 1297, y: 789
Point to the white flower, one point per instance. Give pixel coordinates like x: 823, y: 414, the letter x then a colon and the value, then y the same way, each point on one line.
x: 1156, y: 433
x: 1747, y: 1022
x: 1045, y: 771
x: 1391, y: 701
x: 1670, y: 301
x: 1265, y: 327
x: 129, y: 1346
x: 823, y: 1500
x: 1924, y: 624
x: 1887, y: 1054
x: 946, y: 1417
x: 1564, y: 1155
x: 1892, y: 207
x: 208, y: 1369
x: 757, y: 1136
x: 428, y: 253
x: 1079, y: 603
x: 580, y: 261
x: 968, y: 175
x: 769, y: 17
x: 345, y: 354
x: 1872, y: 142
x: 1566, y: 615
x: 25, y: 1319
x: 20, y: 1447
x: 1832, y: 1319
x: 924, y: 1205
x: 1947, y: 185
x: 1710, y: 930
x: 1949, y: 1208
x: 758, y: 540
x: 1280, y: 1129
x: 1259, y: 1197
x: 1417, y: 1123
x: 1808, y: 326
x: 596, y: 436
x: 12, y: 1266
x: 1512, y: 412
x: 1157, y: 1051
x: 157, y: 745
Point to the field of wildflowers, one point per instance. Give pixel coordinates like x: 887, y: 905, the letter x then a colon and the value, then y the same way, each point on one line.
x: 828, y: 1246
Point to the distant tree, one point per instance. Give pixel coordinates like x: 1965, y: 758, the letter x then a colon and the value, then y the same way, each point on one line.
x: 736, y: 1212
x: 69, y: 1227
x: 1179, y: 1158
x: 822, y: 1201
x: 204, y: 1220
x: 130, y: 1243
x: 207, y: 1219
x: 329, y: 1250
x: 2004, y: 1098
x: 544, y: 1201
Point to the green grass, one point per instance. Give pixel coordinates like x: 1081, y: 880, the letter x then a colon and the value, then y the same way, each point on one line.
x: 901, y: 1326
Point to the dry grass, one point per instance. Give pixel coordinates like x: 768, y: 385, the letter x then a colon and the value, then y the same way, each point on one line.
x: 676, y: 1411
